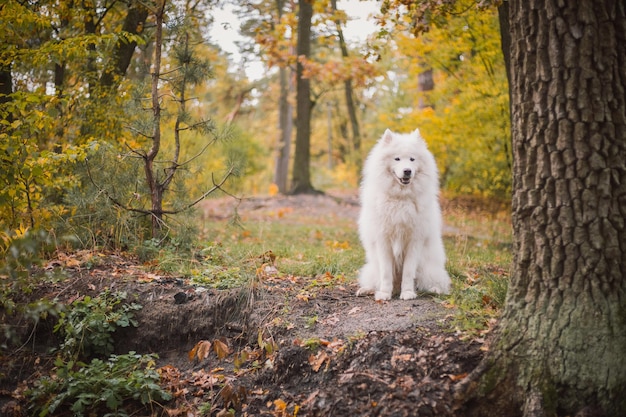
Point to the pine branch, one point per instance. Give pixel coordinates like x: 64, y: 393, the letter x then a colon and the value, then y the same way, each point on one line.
x: 216, y: 186
x: 113, y: 200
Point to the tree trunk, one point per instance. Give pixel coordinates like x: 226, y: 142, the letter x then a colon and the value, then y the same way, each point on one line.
x: 123, y: 52
x: 560, y: 345
x: 425, y: 83
x: 302, y: 158
x: 155, y: 187
x: 90, y: 27
x: 285, y: 122
x: 349, y: 94
x: 6, y: 87
x: 505, y: 43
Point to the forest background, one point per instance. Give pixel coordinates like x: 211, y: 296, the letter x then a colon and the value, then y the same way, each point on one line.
x: 93, y: 129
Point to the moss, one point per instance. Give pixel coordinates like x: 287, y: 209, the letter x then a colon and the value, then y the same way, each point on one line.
x: 492, y: 378
x: 549, y: 395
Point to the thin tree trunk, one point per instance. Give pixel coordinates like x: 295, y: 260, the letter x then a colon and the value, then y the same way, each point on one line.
x: 329, y: 132
x: 156, y: 190
x: 302, y: 157
x: 505, y: 42
x: 90, y: 29
x: 349, y: 94
x: 561, y: 341
x: 285, y: 122
x: 425, y: 83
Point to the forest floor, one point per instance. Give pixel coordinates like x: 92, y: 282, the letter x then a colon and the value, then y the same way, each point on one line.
x: 275, y: 347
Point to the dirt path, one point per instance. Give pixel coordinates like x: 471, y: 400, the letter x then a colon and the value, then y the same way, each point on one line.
x: 339, y: 313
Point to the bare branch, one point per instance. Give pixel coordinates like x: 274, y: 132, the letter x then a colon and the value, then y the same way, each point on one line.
x: 216, y: 186
x: 199, y: 153
x: 138, y: 132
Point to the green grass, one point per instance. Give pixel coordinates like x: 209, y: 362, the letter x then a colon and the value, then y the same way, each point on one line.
x: 328, y: 252
x: 479, y: 261
x: 303, y: 250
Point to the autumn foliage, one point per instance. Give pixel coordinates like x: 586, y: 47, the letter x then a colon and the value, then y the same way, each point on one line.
x: 72, y: 112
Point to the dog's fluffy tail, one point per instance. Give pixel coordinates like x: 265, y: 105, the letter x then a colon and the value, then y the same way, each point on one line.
x: 434, y: 279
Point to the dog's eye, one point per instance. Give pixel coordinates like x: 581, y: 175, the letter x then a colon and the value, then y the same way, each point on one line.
x: 397, y: 159
x: 412, y: 159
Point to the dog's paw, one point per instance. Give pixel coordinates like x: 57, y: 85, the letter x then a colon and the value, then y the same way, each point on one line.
x: 364, y: 291
x: 408, y: 295
x: 382, y: 295
x: 440, y: 288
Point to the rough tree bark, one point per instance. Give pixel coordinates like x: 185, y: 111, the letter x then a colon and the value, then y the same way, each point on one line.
x: 301, y: 178
x: 560, y: 345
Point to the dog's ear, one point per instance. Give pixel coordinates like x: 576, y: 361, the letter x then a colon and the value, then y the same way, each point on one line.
x: 387, y: 136
x: 416, y: 133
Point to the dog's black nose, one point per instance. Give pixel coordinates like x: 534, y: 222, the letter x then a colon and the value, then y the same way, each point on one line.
x: 407, y: 172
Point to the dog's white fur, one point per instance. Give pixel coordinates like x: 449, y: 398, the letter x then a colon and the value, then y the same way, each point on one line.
x: 400, y: 220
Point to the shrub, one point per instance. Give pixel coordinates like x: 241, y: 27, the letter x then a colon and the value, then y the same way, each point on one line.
x: 89, y: 324
x: 89, y: 389
x: 19, y: 275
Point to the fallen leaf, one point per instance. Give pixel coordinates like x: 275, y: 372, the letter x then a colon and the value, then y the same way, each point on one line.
x: 324, y: 342
x: 311, y: 397
x: 280, y: 405
x: 407, y: 383
x: 318, y: 360
x: 303, y: 296
x: 258, y: 391
x: 282, y: 211
x: 404, y: 357
x: 273, y: 190
x: 221, y: 349
x: 225, y: 413
x: 336, y: 345
x: 457, y: 377
x: 268, y: 257
x: 354, y: 310
x: 331, y: 321
x: 345, y: 377
x: 200, y: 350
x: 175, y: 412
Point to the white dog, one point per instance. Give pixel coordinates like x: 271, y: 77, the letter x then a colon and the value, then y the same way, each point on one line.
x: 400, y: 220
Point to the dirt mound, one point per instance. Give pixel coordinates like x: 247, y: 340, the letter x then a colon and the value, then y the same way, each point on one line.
x: 402, y: 373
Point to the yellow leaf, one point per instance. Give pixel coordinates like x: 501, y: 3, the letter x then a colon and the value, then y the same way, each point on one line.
x: 318, y: 360
x: 280, y: 405
x: 273, y: 190
x: 221, y: 349
x: 200, y: 350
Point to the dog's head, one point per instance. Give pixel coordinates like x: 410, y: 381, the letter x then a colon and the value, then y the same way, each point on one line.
x: 403, y: 152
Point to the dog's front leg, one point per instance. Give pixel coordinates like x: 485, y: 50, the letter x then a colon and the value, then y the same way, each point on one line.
x: 385, y: 272
x: 409, y: 269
